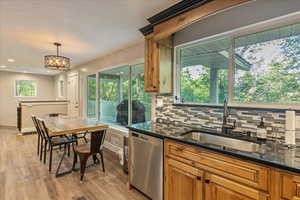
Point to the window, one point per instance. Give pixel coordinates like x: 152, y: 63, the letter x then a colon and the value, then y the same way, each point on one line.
x: 273, y: 72
x: 262, y: 67
x: 203, y: 72
x: 114, y: 94
x: 61, y: 88
x: 91, y: 96
x: 141, y: 101
x: 26, y: 88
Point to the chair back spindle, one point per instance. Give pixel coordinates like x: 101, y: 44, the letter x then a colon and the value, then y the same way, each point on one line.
x: 44, y: 129
x: 97, y: 141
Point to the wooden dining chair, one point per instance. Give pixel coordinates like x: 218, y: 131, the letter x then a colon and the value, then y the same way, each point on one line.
x: 40, y: 141
x: 53, y: 142
x: 84, y: 151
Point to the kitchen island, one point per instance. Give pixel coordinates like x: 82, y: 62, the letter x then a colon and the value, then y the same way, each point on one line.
x: 198, y: 168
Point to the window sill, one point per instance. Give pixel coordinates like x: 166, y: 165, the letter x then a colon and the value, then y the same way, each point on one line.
x: 280, y: 110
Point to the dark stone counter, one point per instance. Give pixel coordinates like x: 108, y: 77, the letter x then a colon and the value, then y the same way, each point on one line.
x: 271, y: 153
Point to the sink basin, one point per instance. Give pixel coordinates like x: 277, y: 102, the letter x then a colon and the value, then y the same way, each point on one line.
x: 232, y: 143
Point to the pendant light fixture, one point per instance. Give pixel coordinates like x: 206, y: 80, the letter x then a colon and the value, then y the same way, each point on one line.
x: 57, y: 62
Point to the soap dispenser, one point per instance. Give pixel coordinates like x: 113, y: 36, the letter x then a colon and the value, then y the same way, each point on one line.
x: 261, y: 130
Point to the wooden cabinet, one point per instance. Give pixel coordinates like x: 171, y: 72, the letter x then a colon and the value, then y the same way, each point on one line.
x: 158, y: 65
x: 246, y: 173
x: 290, y: 186
x: 182, y: 182
x: 194, y: 173
x: 219, y: 188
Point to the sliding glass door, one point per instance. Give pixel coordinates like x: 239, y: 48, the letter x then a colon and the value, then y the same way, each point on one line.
x: 122, y: 98
x: 91, y: 96
x: 141, y: 101
x: 114, y: 95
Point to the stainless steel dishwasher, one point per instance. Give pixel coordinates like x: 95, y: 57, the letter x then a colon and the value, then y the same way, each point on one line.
x: 146, y: 164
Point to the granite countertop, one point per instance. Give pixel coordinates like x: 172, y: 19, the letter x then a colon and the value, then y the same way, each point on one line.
x: 271, y: 153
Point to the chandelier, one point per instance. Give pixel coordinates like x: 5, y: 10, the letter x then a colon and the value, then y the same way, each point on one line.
x: 57, y: 62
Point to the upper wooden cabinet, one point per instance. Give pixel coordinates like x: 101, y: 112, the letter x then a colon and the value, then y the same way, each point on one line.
x: 158, y: 65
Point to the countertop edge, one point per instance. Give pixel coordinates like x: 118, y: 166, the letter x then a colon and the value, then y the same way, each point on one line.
x: 270, y: 164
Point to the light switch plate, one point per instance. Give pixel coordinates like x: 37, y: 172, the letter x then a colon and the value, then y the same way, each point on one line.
x: 159, y: 103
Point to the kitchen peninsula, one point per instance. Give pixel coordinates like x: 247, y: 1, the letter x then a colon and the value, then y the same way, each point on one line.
x: 39, y: 108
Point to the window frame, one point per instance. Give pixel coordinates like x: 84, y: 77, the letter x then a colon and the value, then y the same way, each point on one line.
x: 87, y: 99
x: 35, y: 88
x: 61, y: 88
x: 232, y: 35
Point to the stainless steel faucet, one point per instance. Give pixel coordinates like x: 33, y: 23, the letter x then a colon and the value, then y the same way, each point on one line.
x: 227, y: 128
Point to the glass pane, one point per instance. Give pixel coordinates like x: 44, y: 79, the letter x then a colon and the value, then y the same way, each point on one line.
x: 26, y: 88
x: 114, y: 93
x: 204, y: 72
x: 267, y: 66
x: 141, y: 101
x: 91, y: 96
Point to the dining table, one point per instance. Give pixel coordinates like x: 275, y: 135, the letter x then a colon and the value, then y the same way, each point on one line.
x: 61, y: 125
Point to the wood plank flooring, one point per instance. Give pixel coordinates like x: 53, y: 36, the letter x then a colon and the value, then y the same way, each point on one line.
x: 24, y: 177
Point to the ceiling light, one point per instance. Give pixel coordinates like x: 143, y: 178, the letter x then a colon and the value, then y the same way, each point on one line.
x: 3, y: 66
x: 84, y: 69
x: 57, y: 62
x: 11, y: 60
x: 24, y: 71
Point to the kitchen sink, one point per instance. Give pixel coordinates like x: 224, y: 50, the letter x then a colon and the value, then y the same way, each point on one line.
x: 222, y: 141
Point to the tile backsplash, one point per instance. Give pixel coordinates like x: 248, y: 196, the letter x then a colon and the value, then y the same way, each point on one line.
x: 246, y: 120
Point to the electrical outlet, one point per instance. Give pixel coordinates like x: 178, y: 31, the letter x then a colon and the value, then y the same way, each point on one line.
x: 159, y: 103
x: 298, y: 122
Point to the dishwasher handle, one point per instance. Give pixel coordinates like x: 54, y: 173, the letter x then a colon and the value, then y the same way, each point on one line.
x: 142, y: 137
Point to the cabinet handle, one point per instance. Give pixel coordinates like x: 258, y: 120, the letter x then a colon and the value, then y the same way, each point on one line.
x: 198, y: 178
x: 207, y: 181
x: 180, y: 148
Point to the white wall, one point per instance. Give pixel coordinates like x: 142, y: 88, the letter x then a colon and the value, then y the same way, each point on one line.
x: 8, y: 101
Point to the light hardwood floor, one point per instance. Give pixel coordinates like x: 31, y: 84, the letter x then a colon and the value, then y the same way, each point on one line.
x: 24, y: 177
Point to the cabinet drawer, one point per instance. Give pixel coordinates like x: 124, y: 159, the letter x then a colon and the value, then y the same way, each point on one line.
x: 226, y: 166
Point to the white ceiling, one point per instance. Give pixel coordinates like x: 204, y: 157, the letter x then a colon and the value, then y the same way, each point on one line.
x: 86, y: 28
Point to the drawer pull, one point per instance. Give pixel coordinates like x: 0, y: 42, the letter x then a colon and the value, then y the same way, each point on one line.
x: 207, y: 181
x: 180, y: 149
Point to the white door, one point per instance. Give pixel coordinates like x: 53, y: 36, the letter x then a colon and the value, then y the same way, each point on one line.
x: 73, y: 106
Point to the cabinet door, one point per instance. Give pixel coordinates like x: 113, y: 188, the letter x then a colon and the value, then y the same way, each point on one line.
x: 151, y: 65
x: 182, y: 182
x: 290, y: 186
x: 219, y: 188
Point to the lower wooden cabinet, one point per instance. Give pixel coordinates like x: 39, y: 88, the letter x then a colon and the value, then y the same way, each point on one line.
x: 193, y: 173
x: 290, y: 186
x: 182, y: 182
x: 219, y: 188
